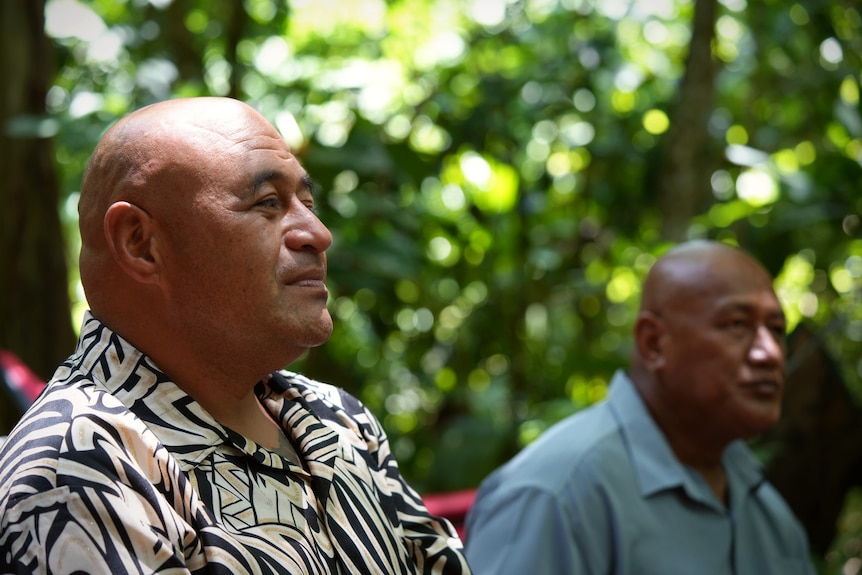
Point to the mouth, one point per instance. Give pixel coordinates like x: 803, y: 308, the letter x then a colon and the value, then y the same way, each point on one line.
x: 766, y: 388
x: 315, y: 278
x: 308, y: 282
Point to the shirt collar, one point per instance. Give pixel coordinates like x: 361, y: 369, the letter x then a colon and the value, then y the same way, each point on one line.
x: 178, y: 421
x: 183, y: 426
x: 656, y: 467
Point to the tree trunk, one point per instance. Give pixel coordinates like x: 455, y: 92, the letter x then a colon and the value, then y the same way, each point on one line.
x: 817, y: 450
x: 180, y: 44
x: 235, y: 26
x: 684, y: 181
x: 35, y: 318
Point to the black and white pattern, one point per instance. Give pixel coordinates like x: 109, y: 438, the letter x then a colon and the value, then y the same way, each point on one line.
x: 116, y: 470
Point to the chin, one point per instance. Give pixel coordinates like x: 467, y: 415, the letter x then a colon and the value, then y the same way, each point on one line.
x: 762, y: 424
x: 319, y: 332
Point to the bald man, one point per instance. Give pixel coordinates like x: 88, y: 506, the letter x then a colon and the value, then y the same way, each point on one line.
x: 172, y: 440
x: 657, y: 479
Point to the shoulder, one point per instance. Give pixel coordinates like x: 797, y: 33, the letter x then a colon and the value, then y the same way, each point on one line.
x: 776, y: 508
x: 557, y: 485
x: 324, y: 395
x: 336, y: 406
x: 567, y: 476
x: 62, y: 438
x: 568, y: 451
x: 779, y: 535
x: 746, y: 475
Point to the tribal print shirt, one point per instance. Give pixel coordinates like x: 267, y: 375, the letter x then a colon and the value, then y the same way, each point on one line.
x: 116, y: 470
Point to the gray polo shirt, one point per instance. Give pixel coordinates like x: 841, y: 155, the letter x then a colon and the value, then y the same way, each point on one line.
x: 602, y: 492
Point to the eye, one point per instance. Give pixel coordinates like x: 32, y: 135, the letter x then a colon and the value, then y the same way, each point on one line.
x: 738, y: 326
x: 305, y: 198
x: 311, y: 208
x: 269, y: 202
x: 780, y: 330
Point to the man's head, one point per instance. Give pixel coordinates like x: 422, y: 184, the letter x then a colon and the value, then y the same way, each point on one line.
x: 199, y: 238
x: 710, y: 343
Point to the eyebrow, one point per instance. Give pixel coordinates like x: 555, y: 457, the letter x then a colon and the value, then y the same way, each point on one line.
x: 310, y: 184
x: 264, y: 177
x: 750, y: 308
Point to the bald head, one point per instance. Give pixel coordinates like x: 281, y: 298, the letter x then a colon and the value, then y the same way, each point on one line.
x: 153, y: 146
x: 152, y: 158
x: 698, y: 270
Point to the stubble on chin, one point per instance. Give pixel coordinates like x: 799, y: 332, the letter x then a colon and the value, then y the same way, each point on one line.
x: 319, y: 331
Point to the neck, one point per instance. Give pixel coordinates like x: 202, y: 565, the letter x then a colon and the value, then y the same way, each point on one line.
x: 251, y: 420
x: 714, y: 475
x: 704, y: 457
x: 238, y: 413
x: 692, y: 445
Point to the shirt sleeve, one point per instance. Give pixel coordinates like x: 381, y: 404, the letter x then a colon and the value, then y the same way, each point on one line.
x: 64, y: 531
x: 95, y: 510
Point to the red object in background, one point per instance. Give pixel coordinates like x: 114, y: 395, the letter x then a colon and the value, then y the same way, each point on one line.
x: 19, y: 380
x: 453, y: 505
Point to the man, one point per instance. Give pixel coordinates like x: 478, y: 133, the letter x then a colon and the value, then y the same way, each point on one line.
x: 170, y: 442
x: 656, y: 479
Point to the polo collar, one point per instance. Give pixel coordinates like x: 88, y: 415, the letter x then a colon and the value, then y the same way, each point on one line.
x: 656, y: 467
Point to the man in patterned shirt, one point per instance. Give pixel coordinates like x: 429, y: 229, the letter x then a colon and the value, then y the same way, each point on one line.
x: 171, y: 441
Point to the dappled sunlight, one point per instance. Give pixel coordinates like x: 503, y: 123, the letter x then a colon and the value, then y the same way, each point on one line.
x: 793, y: 287
x: 757, y: 187
x: 493, y: 174
x: 656, y: 122
x: 326, y: 16
x: 490, y: 185
x: 73, y: 19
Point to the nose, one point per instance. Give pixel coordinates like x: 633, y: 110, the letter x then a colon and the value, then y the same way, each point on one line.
x: 305, y: 231
x: 767, y: 347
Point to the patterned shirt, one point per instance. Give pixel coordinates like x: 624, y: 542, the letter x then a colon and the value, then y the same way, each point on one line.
x: 114, y: 469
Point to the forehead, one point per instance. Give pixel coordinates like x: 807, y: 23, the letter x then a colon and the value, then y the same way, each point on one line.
x: 757, y: 302
x: 709, y: 274
x: 247, y: 148
x: 739, y: 288
x: 199, y: 164
x: 241, y: 133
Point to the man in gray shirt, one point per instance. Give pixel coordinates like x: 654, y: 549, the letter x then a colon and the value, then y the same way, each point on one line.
x: 657, y: 479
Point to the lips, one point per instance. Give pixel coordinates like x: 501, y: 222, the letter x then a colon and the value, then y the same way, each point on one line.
x: 765, y: 387
x: 311, y: 278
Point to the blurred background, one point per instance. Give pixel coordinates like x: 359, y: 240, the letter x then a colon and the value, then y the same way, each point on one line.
x: 498, y: 176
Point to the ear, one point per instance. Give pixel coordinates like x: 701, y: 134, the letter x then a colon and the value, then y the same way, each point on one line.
x: 129, y: 234
x: 649, y: 338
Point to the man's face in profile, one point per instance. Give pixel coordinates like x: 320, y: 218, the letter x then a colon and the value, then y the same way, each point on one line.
x: 245, y: 250
x: 726, y: 349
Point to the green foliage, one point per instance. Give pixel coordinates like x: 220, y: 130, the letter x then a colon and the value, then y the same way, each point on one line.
x: 490, y: 174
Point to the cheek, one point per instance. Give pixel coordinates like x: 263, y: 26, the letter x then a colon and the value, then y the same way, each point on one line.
x: 701, y: 360
x: 206, y: 270
x: 223, y: 257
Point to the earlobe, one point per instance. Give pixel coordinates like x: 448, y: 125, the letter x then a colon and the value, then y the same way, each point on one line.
x: 648, y: 333
x: 129, y: 234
